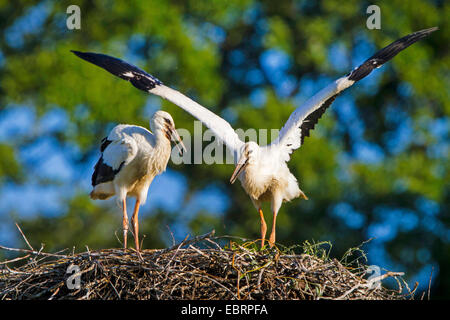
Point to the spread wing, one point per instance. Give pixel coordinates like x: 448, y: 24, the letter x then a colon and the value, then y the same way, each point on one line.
x: 305, y: 117
x: 146, y: 82
x: 117, y: 152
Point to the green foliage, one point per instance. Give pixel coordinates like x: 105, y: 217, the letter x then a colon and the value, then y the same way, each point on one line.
x: 318, y: 249
x: 9, y: 167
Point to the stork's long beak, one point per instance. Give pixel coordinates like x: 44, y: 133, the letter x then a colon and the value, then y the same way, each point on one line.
x: 243, y: 162
x: 176, y: 138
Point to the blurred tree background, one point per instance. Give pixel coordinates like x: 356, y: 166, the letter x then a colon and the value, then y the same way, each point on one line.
x: 376, y: 166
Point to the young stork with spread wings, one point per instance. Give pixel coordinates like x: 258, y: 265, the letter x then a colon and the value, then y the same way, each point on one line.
x: 262, y: 170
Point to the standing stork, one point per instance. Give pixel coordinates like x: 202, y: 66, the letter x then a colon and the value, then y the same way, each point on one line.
x: 262, y: 170
x: 131, y: 156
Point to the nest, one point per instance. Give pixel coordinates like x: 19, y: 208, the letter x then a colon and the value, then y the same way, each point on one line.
x: 194, y: 269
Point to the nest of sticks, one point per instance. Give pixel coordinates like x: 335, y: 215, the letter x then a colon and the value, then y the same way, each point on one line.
x: 198, y: 268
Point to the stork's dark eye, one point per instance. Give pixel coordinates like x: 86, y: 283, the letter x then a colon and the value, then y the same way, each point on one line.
x: 167, y: 121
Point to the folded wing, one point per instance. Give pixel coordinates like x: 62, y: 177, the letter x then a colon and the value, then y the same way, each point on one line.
x: 116, y: 153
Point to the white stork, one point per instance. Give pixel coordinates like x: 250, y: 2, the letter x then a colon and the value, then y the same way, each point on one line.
x: 262, y: 170
x: 131, y: 156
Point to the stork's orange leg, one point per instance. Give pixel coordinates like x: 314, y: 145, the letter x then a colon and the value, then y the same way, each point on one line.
x: 125, y: 223
x: 272, y: 234
x: 135, y: 223
x: 263, y: 227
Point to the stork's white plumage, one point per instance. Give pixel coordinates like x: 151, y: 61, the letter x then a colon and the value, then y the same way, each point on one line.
x: 262, y: 170
x: 131, y: 157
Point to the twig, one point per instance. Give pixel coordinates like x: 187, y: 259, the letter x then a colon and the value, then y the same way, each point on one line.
x: 14, y: 260
x: 429, y: 283
x: 186, y: 242
x: 382, y: 277
x: 33, y: 252
x: 25, y: 238
x: 171, y: 234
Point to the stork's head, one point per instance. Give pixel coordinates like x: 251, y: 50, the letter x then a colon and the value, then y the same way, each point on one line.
x: 249, y: 155
x: 162, y: 122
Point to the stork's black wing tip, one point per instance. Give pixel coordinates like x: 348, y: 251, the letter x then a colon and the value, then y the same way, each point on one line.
x: 78, y: 53
x: 387, y: 53
x: 98, y: 59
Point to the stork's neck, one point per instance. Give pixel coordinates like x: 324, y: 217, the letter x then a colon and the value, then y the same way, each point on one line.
x: 161, y: 152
